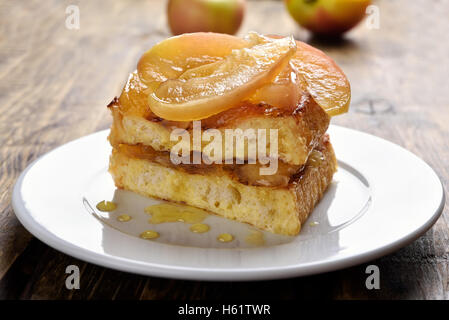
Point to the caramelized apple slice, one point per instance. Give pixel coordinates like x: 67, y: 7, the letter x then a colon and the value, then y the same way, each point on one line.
x: 169, y: 59
x: 222, y: 85
x: 134, y: 98
x: 325, y: 81
x: 284, y: 92
x: 172, y: 57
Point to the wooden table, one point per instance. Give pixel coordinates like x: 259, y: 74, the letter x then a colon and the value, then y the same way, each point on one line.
x: 56, y: 82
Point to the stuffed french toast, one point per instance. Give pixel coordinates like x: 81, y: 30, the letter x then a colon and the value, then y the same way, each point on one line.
x: 230, y: 125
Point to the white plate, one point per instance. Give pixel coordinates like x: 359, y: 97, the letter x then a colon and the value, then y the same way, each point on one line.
x: 382, y: 198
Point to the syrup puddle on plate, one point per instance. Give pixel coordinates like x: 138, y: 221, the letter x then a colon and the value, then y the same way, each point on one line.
x: 177, y: 224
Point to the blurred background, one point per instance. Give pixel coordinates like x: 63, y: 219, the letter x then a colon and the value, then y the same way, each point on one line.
x: 63, y: 61
x: 390, y: 62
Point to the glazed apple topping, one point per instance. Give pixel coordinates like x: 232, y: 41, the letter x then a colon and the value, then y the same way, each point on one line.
x: 325, y: 81
x: 284, y: 92
x: 216, y: 87
x: 195, y: 76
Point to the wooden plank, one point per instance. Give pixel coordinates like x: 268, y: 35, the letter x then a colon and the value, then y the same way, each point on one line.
x: 55, y: 83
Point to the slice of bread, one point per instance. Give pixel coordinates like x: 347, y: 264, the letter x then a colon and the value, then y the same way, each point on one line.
x: 299, y: 129
x: 280, y: 210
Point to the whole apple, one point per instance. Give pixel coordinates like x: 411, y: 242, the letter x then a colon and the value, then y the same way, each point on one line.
x: 327, y: 17
x: 222, y: 16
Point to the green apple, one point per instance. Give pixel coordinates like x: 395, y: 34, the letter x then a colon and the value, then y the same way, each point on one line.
x: 327, y: 17
x: 221, y: 16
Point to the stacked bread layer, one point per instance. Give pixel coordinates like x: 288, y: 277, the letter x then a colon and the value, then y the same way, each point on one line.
x: 279, y: 203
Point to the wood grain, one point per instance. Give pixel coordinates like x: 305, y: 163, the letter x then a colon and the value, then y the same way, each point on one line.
x: 55, y: 83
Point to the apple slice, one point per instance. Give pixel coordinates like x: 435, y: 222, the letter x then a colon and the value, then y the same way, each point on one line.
x: 168, y: 60
x: 222, y: 85
x: 326, y: 82
x: 172, y: 57
x: 284, y: 92
x: 134, y: 97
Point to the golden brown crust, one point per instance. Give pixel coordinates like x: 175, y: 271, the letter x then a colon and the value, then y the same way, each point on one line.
x: 310, y: 186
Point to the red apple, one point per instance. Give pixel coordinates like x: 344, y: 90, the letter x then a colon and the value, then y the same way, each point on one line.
x: 221, y: 16
x: 327, y: 17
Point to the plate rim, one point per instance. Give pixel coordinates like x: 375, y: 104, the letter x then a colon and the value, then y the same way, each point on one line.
x: 215, y: 274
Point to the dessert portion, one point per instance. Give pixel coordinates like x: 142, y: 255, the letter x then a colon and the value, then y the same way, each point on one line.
x: 214, y: 81
x: 281, y: 209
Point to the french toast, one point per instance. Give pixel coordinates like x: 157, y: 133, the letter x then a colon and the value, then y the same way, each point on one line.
x: 300, y: 127
x: 281, y: 209
x: 184, y: 84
